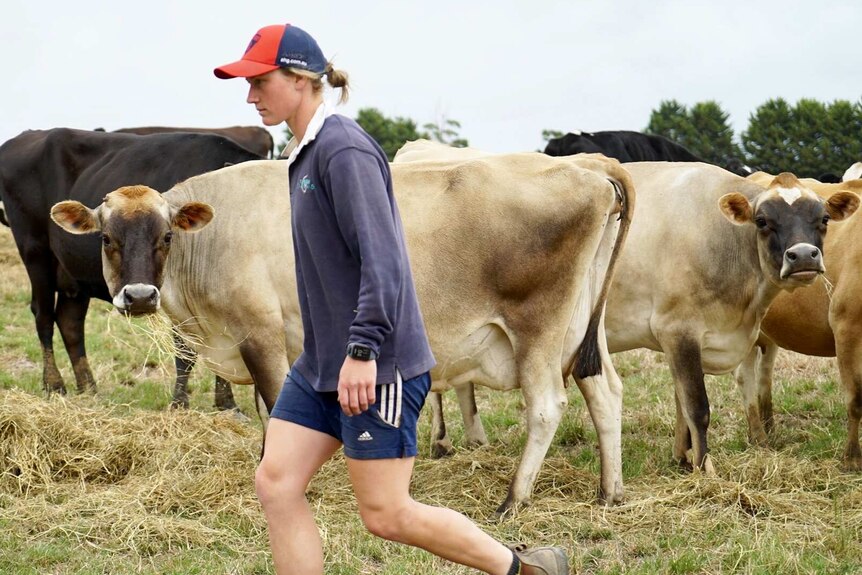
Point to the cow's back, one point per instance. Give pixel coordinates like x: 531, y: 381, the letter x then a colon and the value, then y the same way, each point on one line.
x: 255, y: 139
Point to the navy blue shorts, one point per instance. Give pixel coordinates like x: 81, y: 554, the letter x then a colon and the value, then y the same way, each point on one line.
x: 385, y: 430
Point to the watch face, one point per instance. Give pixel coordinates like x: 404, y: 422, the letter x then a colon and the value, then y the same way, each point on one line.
x: 359, y: 352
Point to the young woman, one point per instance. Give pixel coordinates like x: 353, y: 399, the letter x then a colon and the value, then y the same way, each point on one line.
x: 362, y: 377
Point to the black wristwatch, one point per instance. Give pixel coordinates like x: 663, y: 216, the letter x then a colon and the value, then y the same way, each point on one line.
x: 360, y: 352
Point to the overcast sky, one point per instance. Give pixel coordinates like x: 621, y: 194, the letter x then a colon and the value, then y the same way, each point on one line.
x: 505, y: 69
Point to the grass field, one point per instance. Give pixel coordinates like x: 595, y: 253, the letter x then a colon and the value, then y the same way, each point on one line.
x: 117, y: 483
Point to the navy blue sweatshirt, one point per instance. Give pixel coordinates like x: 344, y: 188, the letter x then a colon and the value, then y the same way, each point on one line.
x: 352, y: 271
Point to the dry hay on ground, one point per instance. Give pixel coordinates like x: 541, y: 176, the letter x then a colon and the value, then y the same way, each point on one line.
x: 145, y: 482
x: 152, y: 482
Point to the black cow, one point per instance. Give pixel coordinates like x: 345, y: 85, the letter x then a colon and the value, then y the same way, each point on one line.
x: 253, y: 138
x: 41, y: 168
x: 628, y: 146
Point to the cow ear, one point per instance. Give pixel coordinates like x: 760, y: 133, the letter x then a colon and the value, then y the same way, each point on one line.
x: 841, y: 205
x: 735, y: 208
x: 75, y: 217
x: 192, y: 217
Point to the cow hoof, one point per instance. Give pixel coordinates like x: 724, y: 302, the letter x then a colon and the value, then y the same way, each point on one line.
x: 239, y: 415
x: 758, y: 438
x: 852, y: 464
x: 615, y: 498
x: 182, y: 403
x: 441, y: 449
x: 53, y: 383
x: 88, y: 387
x: 684, y: 464
x: 61, y: 389
x: 509, y: 508
x: 477, y: 443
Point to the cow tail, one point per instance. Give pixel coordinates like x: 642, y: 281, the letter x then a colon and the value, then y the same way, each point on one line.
x: 589, y: 360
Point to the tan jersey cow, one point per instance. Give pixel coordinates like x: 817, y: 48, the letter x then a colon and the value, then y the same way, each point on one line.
x: 814, y: 322
x: 695, y: 286
x: 510, y: 255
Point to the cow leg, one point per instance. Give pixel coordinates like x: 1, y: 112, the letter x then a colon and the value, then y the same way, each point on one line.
x: 545, y: 398
x: 42, y: 300
x: 268, y: 368
x: 71, y: 318
x: 474, y: 432
x: 224, y: 400
x: 693, y: 405
x: 682, y: 436
x: 184, y: 361
x: 603, y: 394
x: 765, y: 369
x: 441, y: 445
x: 746, y: 378
x: 848, y: 347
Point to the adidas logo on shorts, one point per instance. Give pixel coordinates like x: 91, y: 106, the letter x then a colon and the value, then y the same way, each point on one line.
x: 365, y: 436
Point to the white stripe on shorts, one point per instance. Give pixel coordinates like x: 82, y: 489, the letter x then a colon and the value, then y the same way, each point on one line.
x: 390, y: 401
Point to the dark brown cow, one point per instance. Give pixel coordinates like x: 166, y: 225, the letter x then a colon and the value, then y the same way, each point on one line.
x: 253, y: 138
x: 40, y: 168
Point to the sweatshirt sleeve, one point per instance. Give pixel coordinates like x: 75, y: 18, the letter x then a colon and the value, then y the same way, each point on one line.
x: 366, y: 218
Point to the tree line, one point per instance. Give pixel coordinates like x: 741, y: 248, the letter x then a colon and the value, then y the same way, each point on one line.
x: 809, y: 138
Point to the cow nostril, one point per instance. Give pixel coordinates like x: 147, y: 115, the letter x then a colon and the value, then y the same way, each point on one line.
x: 791, y: 256
x: 815, y: 254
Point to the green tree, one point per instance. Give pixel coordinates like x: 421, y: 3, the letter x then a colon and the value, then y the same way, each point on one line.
x: 704, y: 129
x: 808, y: 139
x: 446, y: 131
x: 672, y: 121
x: 390, y: 133
x: 712, y: 137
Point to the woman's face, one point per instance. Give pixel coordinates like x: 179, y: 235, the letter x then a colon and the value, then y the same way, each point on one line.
x: 275, y: 95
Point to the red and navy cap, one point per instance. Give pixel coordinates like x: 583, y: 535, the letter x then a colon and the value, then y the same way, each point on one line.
x: 277, y: 46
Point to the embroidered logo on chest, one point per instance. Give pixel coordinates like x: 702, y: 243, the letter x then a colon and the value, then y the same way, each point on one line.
x: 305, y: 184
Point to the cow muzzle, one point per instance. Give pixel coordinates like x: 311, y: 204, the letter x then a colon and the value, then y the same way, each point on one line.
x: 138, y: 299
x: 802, y: 263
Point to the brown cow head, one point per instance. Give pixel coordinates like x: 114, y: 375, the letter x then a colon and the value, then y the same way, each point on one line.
x: 137, y: 224
x: 791, y: 223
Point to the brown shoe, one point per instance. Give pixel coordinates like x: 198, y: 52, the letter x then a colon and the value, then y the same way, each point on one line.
x: 542, y: 560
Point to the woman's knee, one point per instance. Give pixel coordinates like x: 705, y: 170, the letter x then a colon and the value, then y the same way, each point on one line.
x: 274, y: 483
x: 391, y: 523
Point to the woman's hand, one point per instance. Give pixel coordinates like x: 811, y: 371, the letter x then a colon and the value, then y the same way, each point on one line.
x: 356, y: 385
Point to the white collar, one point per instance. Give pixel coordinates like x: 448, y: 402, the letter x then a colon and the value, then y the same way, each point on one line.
x: 293, y: 147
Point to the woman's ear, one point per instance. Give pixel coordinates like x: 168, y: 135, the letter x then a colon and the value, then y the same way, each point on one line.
x: 299, y: 81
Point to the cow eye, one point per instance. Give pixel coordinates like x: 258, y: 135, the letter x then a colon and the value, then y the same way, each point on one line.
x: 106, y: 241
x: 168, y: 237
x: 826, y: 219
x: 760, y: 222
